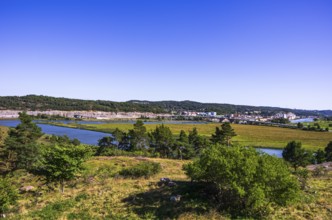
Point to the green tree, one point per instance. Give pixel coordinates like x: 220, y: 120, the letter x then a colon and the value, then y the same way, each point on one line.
x: 217, y: 137
x: 21, y: 150
x: 118, y: 135
x: 124, y: 143
x: 296, y: 155
x: 300, y: 125
x: 281, y: 120
x: 183, y: 137
x: 8, y: 195
x: 27, y: 131
x: 162, y: 140
x: 197, y: 142
x: 104, y: 144
x: 63, y: 163
x: 138, y: 136
x: 193, y: 136
x: 328, y: 151
x: 182, y: 147
x: 320, y: 156
x: 224, y: 135
x: 122, y: 138
x: 246, y: 182
x: 63, y: 140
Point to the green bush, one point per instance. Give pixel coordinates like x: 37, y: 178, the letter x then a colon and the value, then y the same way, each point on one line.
x: 143, y: 169
x: 53, y: 210
x: 245, y: 182
x: 117, y: 152
x: 8, y: 195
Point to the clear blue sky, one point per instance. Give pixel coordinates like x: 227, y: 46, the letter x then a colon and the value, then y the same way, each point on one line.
x: 257, y: 52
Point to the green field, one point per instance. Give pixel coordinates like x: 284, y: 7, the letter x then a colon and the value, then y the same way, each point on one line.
x: 100, y: 194
x: 248, y: 135
x: 322, y: 124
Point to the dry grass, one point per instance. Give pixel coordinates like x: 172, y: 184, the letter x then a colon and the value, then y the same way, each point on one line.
x: 100, y: 194
x: 316, y: 202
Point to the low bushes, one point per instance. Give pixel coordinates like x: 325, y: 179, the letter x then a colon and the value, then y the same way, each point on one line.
x: 143, y: 169
x: 117, y: 152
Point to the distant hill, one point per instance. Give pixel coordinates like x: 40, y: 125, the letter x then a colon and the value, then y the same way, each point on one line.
x: 35, y: 102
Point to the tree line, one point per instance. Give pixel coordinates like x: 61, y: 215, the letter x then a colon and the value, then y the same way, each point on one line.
x: 35, y: 102
x: 161, y: 142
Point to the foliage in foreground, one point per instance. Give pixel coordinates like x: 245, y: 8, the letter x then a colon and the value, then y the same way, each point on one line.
x: 101, y: 194
x: 8, y: 195
x: 21, y: 150
x: 246, y: 182
x: 62, y: 163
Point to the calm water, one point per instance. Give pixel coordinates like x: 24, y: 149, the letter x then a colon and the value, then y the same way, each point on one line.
x: 92, y: 137
x: 270, y: 151
x: 85, y: 136
x: 302, y: 120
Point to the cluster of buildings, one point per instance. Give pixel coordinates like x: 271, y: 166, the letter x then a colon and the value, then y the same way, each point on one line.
x: 199, y: 114
x: 191, y: 115
x: 238, y: 118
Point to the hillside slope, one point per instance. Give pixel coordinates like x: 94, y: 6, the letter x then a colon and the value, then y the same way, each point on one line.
x: 100, y: 193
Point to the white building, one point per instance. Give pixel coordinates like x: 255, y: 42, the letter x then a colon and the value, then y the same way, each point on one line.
x: 289, y: 115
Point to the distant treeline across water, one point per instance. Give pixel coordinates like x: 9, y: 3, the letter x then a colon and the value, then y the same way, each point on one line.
x: 34, y: 102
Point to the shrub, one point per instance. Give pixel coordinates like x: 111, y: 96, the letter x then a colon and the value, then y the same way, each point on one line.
x: 118, y: 152
x: 63, y: 163
x: 143, y: 169
x: 53, y: 210
x: 246, y: 182
x: 8, y: 195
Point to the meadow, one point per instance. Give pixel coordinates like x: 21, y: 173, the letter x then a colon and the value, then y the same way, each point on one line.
x: 100, y: 193
x: 247, y: 135
x: 322, y: 124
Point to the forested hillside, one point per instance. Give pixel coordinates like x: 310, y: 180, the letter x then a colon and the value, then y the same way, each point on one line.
x: 34, y: 102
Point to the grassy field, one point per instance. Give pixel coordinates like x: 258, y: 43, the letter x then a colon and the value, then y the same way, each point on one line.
x: 249, y: 135
x: 99, y: 193
x: 322, y: 124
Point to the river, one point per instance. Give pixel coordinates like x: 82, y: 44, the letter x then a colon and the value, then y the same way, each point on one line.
x: 302, y: 120
x: 85, y: 136
x: 92, y: 137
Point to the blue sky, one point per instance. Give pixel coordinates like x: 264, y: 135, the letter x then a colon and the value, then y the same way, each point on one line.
x: 257, y: 52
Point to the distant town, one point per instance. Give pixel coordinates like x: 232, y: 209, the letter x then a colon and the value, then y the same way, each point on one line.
x: 245, y: 118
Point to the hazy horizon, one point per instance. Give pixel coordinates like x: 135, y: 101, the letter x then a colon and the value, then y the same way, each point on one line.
x: 258, y: 53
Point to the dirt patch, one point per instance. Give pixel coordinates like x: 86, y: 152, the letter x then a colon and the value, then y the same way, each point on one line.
x: 326, y: 165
